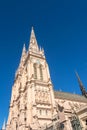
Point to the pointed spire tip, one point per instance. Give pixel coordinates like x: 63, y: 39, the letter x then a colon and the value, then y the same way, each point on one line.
x: 33, y: 42
x: 32, y: 28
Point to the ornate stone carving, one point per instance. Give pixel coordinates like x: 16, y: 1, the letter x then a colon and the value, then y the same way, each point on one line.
x: 42, y: 96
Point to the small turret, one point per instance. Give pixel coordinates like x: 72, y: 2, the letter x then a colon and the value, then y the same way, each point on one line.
x: 4, y: 126
x: 23, y: 56
x: 82, y: 88
x: 22, y: 60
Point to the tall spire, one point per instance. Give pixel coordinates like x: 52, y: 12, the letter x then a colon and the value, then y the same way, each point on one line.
x: 4, y: 126
x: 82, y: 88
x: 22, y: 60
x: 33, y: 42
x: 23, y: 56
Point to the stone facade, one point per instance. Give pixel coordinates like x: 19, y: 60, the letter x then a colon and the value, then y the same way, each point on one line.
x: 34, y: 104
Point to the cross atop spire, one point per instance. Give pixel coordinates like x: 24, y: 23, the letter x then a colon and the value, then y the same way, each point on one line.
x: 82, y: 88
x: 33, y: 42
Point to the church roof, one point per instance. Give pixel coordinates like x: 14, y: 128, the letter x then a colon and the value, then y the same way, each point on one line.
x: 69, y: 96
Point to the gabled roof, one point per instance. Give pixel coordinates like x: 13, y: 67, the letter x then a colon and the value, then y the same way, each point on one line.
x: 69, y: 96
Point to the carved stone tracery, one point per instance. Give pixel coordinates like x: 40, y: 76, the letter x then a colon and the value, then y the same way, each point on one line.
x: 42, y: 96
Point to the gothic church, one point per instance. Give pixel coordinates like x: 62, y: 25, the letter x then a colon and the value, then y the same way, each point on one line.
x: 35, y: 105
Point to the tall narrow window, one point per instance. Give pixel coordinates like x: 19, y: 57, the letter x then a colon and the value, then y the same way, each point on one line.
x: 41, y: 73
x: 86, y: 122
x: 46, y: 112
x: 40, y: 112
x: 25, y: 119
x: 35, y: 71
x: 16, y: 126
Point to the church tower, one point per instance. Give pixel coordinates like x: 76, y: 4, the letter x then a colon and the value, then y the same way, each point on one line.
x: 32, y: 100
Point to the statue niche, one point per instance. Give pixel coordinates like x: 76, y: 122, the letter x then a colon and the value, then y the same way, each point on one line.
x: 75, y: 123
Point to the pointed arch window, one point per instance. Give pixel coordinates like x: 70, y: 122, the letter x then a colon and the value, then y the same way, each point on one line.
x: 40, y: 112
x: 46, y: 112
x: 16, y: 126
x: 41, y: 72
x: 86, y: 122
x: 35, y: 70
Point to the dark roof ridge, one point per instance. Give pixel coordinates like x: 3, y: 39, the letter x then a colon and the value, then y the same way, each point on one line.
x: 69, y: 96
x: 68, y: 93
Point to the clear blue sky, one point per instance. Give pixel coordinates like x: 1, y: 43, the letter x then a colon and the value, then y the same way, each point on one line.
x: 61, y: 29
